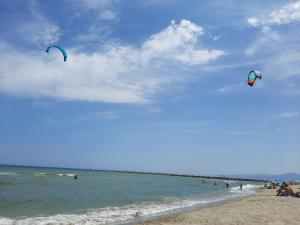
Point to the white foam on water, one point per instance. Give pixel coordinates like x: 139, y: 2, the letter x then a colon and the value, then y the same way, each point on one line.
x: 40, y: 174
x: 6, y: 221
x: 117, y: 215
x: 111, y: 215
x: 70, y: 174
x: 229, y: 181
x: 8, y: 173
x: 247, y: 188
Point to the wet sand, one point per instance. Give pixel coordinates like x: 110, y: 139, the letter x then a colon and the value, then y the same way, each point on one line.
x: 263, y: 208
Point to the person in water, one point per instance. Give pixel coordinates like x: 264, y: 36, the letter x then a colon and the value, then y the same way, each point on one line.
x: 75, y: 177
x: 138, y: 214
x: 241, y: 187
x: 227, y: 184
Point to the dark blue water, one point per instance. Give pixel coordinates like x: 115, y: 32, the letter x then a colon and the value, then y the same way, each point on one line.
x: 33, y: 195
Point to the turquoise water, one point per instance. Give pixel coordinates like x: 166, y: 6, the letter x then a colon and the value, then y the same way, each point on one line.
x: 34, y: 195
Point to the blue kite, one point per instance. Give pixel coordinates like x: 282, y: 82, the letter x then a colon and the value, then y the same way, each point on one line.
x: 63, y: 51
x: 252, y: 77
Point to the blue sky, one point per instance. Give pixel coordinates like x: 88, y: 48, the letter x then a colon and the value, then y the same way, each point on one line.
x: 156, y: 85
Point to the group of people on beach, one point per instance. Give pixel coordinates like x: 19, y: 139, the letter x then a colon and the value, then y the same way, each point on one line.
x: 286, y: 190
x: 283, y: 189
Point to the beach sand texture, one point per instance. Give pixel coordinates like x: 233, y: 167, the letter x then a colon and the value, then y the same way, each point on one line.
x: 263, y: 208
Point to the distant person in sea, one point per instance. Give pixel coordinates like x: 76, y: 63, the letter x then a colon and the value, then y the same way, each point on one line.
x: 75, y: 177
x: 241, y: 186
x: 227, y: 184
x: 203, y: 181
x: 215, y: 183
x: 138, y: 214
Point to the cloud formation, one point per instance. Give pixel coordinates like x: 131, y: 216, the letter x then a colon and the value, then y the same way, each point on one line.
x: 178, y: 42
x: 120, y: 74
x: 231, y: 88
x: 278, y: 42
x: 287, y: 14
x: 98, y: 4
x: 268, y: 39
x: 287, y: 115
x: 39, y: 30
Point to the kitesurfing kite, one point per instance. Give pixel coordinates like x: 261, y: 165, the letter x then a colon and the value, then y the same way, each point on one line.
x: 63, y: 51
x: 252, y: 77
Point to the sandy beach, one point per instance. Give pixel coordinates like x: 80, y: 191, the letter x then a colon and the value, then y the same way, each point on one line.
x: 263, y: 208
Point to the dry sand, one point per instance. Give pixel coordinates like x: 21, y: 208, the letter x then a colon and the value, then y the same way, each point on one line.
x: 263, y: 208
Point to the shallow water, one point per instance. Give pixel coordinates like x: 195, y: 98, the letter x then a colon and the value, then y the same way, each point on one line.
x: 34, y: 195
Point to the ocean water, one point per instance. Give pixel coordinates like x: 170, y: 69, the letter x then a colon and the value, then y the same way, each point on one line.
x: 35, y: 195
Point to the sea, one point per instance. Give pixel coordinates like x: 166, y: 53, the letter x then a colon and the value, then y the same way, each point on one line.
x: 39, y: 195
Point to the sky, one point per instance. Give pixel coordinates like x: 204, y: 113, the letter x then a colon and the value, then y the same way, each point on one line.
x: 157, y: 85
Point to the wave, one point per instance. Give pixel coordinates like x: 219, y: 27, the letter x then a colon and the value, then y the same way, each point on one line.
x: 9, y: 174
x: 247, y: 188
x: 115, y: 215
x: 37, y: 174
x: 40, y: 174
x: 54, y: 174
x: 70, y: 174
x: 229, y: 181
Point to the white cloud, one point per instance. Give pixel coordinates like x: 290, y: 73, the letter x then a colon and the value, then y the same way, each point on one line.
x: 217, y: 37
x: 159, y: 2
x: 252, y: 21
x: 102, y: 115
x: 286, y: 115
x: 40, y: 31
x: 95, y: 34
x: 98, y: 4
x: 287, y: 14
x: 178, y: 41
x: 231, y: 88
x: 108, y: 15
x: 100, y: 16
x: 51, y: 121
x: 283, y: 65
x: 155, y: 110
x: 121, y: 74
x: 278, y: 45
x: 268, y: 40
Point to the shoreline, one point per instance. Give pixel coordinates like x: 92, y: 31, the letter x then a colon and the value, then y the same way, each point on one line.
x: 188, y: 209
x: 261, y: 208
x: 131, y: 221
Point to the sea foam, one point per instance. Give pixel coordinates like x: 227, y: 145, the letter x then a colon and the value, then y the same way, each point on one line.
x: 247, y: 188
x: 112, y: 215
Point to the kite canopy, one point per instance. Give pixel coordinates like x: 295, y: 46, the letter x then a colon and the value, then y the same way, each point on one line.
x: 253, y: 75
x: 63, y: 51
